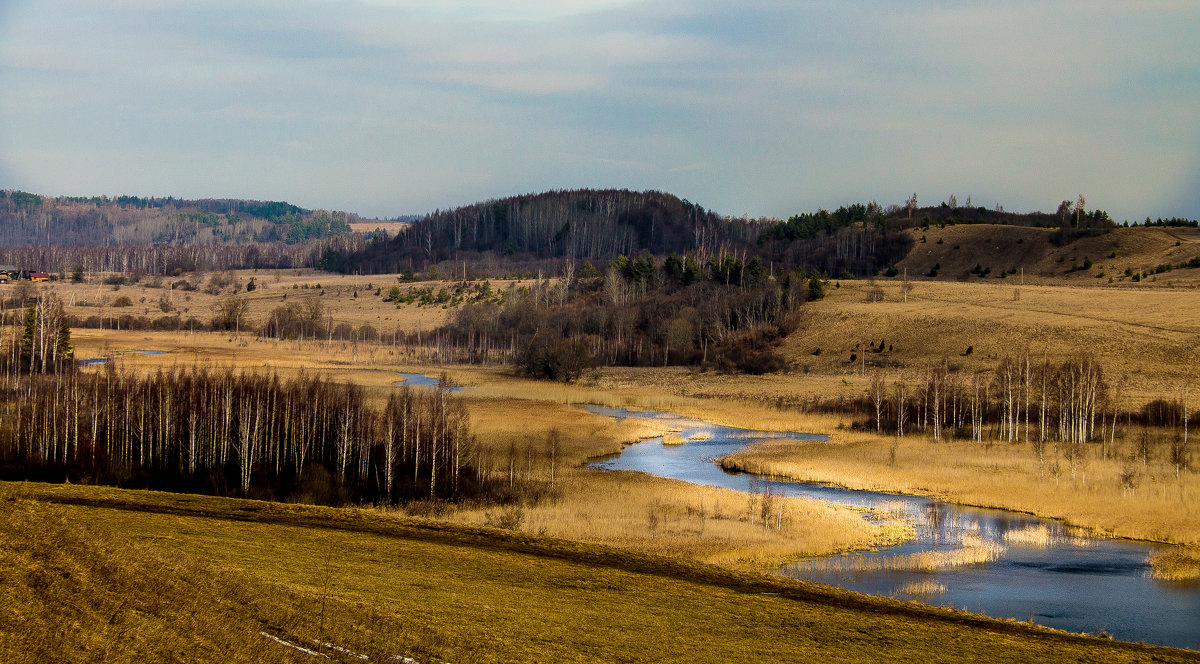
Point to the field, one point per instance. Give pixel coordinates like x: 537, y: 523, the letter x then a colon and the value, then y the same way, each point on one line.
x: 941, y: 320
x: 349, y: 299
x: 164, y: 577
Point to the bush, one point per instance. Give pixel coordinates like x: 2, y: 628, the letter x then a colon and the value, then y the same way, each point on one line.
x: 550, y: 356
x: 122, y: 301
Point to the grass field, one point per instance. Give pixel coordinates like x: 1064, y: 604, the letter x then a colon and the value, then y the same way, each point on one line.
x: 941, y: 320
x: 102, y: 574
x: 350, y: 299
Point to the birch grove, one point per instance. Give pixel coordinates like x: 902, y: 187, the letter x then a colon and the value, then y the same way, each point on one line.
x: 246, y: 434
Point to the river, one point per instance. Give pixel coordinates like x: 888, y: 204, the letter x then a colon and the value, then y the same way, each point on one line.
x: 999, y: 563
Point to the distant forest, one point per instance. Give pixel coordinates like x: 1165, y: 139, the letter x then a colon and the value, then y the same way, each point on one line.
x: 165, y: 235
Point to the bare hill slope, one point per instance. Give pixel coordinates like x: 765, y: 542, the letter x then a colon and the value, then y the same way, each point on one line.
x: 956, y: 251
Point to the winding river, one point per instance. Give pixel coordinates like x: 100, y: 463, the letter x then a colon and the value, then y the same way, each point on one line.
x: 1003, y: 564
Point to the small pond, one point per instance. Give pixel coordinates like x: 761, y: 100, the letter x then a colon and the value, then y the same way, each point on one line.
x: 421, y: 380
x: 1018, y: 566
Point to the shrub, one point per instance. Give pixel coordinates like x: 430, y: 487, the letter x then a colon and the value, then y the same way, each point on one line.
x: 553, y: 357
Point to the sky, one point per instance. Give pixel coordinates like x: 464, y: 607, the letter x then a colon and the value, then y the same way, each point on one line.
x: 393, y: 107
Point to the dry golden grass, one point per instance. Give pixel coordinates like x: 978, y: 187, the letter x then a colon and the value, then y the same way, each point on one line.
x: 673, y: 439
x: 942, y: 319
x: 391, y: 227
x: 1159, y: 507
x: 1175, y: 565
x: 1002, y: 248
x: 974, y: 551
x: 345, y: 298
x: 721, y: 526
x: 502, y: 424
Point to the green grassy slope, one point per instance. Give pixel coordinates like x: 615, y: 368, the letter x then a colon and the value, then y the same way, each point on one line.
x: 104, y: 574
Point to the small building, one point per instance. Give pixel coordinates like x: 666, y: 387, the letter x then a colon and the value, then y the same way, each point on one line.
x: 39, y: 276
x: 9, y: 271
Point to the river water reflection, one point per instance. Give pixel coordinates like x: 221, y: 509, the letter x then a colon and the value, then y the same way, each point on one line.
x: 1000, y: 563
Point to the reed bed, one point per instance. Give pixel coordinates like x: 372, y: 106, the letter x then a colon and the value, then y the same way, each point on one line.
x: 923, y: 589
x: 1175, y: 565
x: 974, y: 551
x: 1107, y: 495
x: 708, y: 524
x: 673, y: 439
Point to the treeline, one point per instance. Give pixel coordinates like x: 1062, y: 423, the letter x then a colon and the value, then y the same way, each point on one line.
x: 29, y: 219
x: 1068, y: 404
x: 175, y: 259
x: 227, y: 433
x: 1172, y: 222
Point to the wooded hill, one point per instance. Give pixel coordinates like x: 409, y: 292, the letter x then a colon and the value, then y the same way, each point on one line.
x: 29, y: 219
x: 166, y: 235
x: 601, y: 225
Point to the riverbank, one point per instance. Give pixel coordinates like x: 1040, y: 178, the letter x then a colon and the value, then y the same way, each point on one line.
x: 1112, y: 496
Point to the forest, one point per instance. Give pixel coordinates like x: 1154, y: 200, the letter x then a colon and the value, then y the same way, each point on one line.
x: 600, y: 225
x: 166, y: 235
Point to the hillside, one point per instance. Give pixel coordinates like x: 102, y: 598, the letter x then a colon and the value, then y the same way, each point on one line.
x: 29, y: 219
x: 189, y: 578
x: 1013, y: 252
x: 941, y: 320
x: 579, y: 223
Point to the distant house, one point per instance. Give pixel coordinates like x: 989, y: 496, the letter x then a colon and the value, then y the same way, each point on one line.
x: 9, y: 271
x: 39, y: 276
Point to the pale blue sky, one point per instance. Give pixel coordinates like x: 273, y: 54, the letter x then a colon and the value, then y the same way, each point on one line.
x: 767, y: 108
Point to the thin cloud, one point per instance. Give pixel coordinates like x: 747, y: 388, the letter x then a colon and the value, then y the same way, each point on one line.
x: 769, y: 108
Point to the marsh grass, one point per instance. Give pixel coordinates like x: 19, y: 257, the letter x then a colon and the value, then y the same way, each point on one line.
x: 1006, y: 476
x: 720, y: 526
x: 974, y: 550
x: 1175, y: 565
x: 673, y: 439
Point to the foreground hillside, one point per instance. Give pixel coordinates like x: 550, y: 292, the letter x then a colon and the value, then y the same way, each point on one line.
x: 102, y: 574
